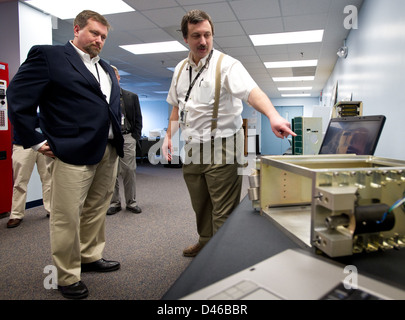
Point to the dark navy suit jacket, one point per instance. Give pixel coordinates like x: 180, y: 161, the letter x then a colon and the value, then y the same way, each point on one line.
x: 133, y: 113
x: 74, y: 114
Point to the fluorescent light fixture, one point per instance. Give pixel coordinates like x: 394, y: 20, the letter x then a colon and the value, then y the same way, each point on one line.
x: 155, y: 47
x: 286, y: 79
x: 161, y: 92
x: 296, y: 95
x: 294, y: 88
x: 171, y: 69
x: 68, y: 9
x: 287, y: 38
x: 291, y: 64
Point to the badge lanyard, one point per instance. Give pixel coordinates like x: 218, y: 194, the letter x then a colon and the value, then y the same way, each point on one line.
x: 196, y: 77
x: 193, y: 83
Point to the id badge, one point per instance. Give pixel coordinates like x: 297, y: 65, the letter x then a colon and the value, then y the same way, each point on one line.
x: 182, y: 116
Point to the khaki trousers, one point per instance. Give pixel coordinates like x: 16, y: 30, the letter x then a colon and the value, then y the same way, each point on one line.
x: 80, y: 197
x: 215, y: 189
x: 23, y: 164
x: 126, y: 168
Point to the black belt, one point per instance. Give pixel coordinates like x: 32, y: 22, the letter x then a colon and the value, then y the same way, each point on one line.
x: 125, y: 132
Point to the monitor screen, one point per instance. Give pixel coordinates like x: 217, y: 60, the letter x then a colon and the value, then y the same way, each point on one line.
x: 352, y: 135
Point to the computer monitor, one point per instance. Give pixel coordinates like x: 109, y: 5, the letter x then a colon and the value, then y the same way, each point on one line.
x: 352, y: 135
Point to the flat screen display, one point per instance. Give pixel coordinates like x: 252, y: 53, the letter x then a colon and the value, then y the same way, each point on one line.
x: 352, y: 135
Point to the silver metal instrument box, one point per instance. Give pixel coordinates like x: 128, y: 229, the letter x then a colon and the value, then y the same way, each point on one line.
x: 339, y: 204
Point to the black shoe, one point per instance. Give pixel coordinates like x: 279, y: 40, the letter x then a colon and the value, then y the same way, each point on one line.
x: 113, y: 210
x: 77, y: 290
x: 135, y: 209
x: 101, y: 265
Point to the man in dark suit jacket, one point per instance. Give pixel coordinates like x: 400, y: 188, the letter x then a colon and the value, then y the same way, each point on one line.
x: 79, y: 101
x: 131, y: 127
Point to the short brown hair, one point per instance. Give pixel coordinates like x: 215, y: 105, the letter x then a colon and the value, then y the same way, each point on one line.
x: 83, y: 17
x: 194, y: 17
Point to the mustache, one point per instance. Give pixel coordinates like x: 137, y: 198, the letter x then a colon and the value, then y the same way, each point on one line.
x: 202, y: 47
x: 93, y: 47
x: 96, y: 46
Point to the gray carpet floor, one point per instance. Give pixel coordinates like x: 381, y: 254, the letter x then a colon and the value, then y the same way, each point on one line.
x: 148, y: 245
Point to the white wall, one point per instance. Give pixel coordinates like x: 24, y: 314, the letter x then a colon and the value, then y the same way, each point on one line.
x: 35, y: 28
x: 374, y: 71
x: 154, y: 115
x: 308, y: 104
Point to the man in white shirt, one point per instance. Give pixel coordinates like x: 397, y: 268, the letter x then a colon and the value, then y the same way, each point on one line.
x: 207, y: 106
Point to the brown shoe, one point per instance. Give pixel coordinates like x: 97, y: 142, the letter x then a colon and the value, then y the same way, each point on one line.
x: 12, y: 223
x: 192, y: 251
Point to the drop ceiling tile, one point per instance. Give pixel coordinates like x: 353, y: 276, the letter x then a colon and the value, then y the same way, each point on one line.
x: 257, y: 9
x: 165, y: 17
x: 219, y: 11
x: 152, y: 35
x: 306, y: 22
x: 226, y: 29
x: 130, y: 21
x: 237, y: 52
x: 151, y: 4
x: 294, y: 8
x: 263, y: 26
x: 195, y: 2
x: 231, y: 42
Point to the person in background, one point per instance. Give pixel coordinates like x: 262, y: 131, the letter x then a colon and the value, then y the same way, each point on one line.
x: 131, y: 123
x: 211, y: 124
x: 23, y: 164
x: 79, y: 112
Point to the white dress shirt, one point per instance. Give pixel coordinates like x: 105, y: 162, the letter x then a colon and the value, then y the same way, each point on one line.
x: 100, y: 74
x: 236, y: 85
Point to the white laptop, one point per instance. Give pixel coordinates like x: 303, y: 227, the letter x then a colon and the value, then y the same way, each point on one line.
x: 297, y: 275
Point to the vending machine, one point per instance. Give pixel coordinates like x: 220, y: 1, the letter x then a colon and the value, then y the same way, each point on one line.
x: 6, y: 169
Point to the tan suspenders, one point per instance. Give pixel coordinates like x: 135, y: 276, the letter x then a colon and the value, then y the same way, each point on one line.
x: 181, y: 69
x: 217, y: 89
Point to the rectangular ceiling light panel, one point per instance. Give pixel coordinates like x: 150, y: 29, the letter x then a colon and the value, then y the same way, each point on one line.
x: 287, y: 38
x: 71, y: 8
x: 296, y: 95
x: 294, y: 88
x: 156, y: 47
x: 287, y: 79
x: 291, y: 64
